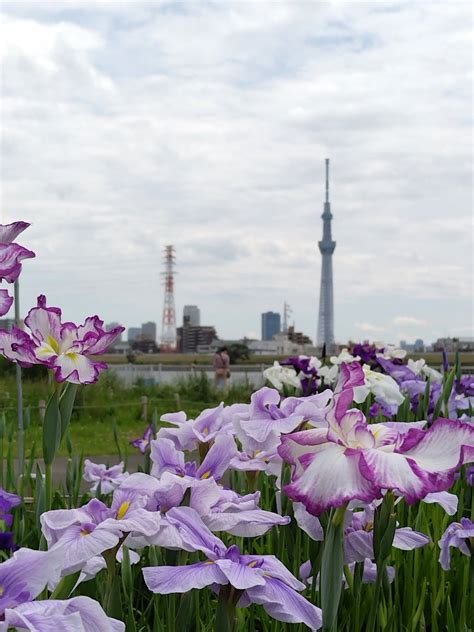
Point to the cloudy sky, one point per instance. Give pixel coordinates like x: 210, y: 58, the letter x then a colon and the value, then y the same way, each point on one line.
x: 131, y: 125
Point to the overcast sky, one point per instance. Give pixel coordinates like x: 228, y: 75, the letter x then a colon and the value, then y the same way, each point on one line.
x: 131, y: 125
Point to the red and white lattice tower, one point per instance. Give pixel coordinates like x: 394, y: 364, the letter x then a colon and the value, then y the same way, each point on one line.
x: 168, y: 331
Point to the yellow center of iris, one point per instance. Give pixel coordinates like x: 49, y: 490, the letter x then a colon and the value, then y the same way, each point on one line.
x: 53, y: 343
x: 2, y: 590
x: 205, y: 432
x: 206, y: 474
x: 252, y: 564
x: 123, y: 510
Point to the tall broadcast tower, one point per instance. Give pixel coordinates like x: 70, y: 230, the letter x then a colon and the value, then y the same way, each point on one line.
x: 325, y: 334
x: 168, y: 331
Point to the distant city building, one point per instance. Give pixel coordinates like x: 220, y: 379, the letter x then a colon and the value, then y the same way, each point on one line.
x: 133, y: 333
x: 144, y: 345
x: 419, y: 346
x: 298, y: 337
x: 193, y: 314
x: 271, y: 325
x: 454, y: 344
x: 191, y: 338
x: 148, y: 331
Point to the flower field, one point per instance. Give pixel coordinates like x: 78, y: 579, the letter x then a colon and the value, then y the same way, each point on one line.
x: 339, y: 497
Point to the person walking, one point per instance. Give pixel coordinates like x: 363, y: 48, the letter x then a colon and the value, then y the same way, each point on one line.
x: 221, y: 366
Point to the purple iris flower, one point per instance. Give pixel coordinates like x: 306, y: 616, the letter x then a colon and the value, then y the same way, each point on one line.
x: 220, y: 509
x: 259, y: 427
x: 189, y: 433
x: 366, y: 352
x: 78, y: 614
x: 11, y: 256
x: 465, y: 385
x: 65, y: 348
x: 262, y: 579
x: 307, y: 367
x: 359, y: 537
x: 108, y: 478
x: 470, y: 475
x: 7, y: 502
x: 26, y: 574
x: 399, y: 372
x: 166, y: 457
x: 143, y: 444
x: 88, y: 531
x: 354, y: 460
x: 458, y: 535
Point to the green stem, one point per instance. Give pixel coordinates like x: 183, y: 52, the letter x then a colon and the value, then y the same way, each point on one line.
x: 48, y: 490
x: 332, y: 566
x: 225, y: 614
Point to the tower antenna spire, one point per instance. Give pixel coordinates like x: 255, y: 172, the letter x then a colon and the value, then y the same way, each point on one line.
x: 325, y: 333
x: 168, y: 332
x: 327, y: 179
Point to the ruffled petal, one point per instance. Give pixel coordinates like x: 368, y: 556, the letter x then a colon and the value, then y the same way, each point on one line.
x: 180, y: 579
x: 331, y: 478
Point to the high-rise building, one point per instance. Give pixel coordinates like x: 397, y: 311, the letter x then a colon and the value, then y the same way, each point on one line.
x: 325, y: 334
x: 193, y: 314
x: 148, y: 331
x: 133, y: 333
x: 191, y: 337
x: 271, y: 325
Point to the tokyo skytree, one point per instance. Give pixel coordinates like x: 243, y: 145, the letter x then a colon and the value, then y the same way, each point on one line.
x: 325, y: 334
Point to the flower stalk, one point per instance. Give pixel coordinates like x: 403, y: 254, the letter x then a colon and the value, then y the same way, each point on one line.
x: 332, y: 569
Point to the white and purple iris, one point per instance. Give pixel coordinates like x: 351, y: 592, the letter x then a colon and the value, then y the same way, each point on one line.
x: 260, y: 579
x: 108, y: 478
x: 24, y: 576
x: 459, y: 535
x: 11, y: 256
x: 352, y: 460
x: 66, y: 348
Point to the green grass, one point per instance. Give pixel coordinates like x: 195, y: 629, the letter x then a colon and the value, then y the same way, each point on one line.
x: 99, y: 407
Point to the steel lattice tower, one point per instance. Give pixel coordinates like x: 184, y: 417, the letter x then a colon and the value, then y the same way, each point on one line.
x: 168, y: 331
x: 325, y: 334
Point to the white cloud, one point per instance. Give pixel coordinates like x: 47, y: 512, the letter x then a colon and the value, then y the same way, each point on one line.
x: 409, y: 321
x: 127, y: 126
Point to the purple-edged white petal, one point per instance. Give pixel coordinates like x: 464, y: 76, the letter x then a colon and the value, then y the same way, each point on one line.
x: 44, y: 322
x: 393, y: 471
x: 77, y: 368
x: 18, y: 347
x: 285, y: 604
x: 11, y: 256
x: 331, y: 478
x: 9, y: 232
x: 164, y: 580
x: 6, y: 301
x: 446, y: 445
x: 406, y: 539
